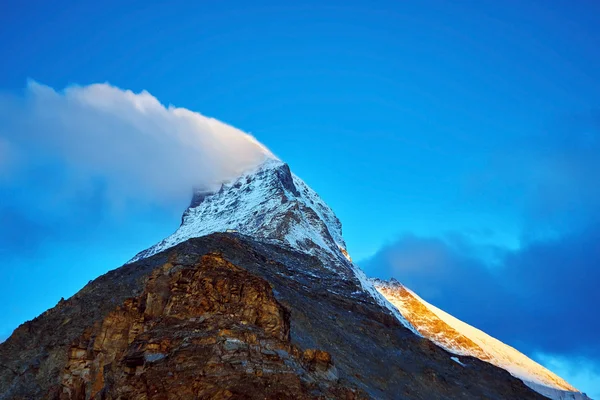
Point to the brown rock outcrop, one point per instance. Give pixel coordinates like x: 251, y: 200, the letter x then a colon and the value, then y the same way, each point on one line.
x: 210, y: 331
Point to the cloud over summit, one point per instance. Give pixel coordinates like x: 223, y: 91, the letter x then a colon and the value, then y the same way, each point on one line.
x: 129, y: 141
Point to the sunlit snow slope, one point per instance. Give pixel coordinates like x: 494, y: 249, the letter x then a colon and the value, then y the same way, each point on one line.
x: 464, y: 340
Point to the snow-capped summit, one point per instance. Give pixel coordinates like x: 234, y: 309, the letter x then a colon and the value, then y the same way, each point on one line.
x: 268, y: 203
x: 462, y: 339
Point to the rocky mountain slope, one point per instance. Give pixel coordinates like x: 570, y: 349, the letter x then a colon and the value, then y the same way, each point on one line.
x: 464, y: 340
x: 274, y: 309
x: 227, y: 317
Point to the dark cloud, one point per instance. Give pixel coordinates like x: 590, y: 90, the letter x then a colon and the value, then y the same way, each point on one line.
x: 556, y: 284
x: 541, y: 297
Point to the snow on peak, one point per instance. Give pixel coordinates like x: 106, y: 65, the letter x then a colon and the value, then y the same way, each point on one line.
x: 268, y: 203
x: 462, y: 339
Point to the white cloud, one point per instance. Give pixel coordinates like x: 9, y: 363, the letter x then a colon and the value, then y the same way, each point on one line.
x: 133, y: 143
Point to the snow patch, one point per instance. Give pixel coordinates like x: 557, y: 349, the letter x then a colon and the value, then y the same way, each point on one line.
x: 456, y: 360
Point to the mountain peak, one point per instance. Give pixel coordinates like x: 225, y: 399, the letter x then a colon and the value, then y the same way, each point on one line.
x: 279, y: 168
x: 269, y: 203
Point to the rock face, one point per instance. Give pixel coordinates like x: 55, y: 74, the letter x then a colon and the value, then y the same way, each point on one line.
x: 225, y: 316
x: 209, y: 330
x: 464, y: 340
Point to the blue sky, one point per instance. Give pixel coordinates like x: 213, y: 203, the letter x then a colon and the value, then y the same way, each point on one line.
x: 467, y: 131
